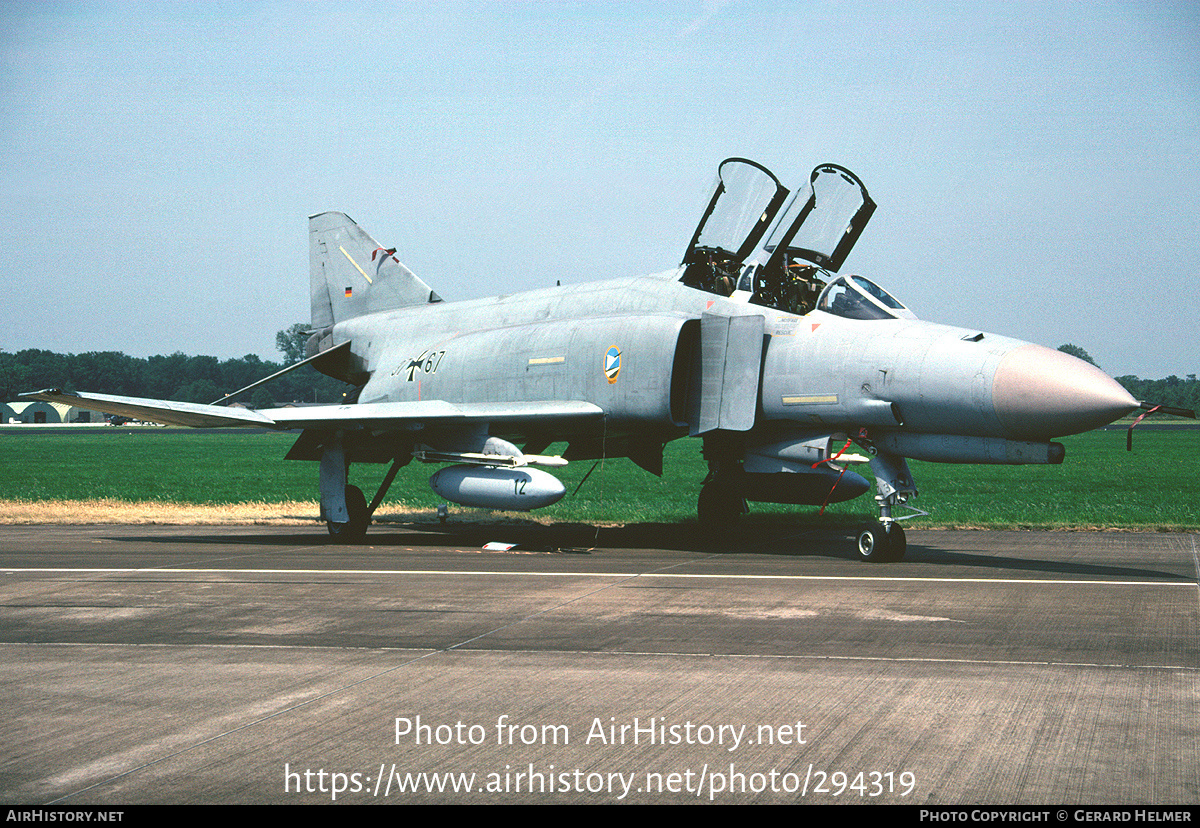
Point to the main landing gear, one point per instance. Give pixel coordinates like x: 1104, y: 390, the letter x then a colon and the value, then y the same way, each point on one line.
x: 356, y: 510
x: 344, y: 507
x: 720, y: 504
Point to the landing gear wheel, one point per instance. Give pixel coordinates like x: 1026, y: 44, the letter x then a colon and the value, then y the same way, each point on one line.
x: 356, y: 507
x: 898, y: 542
x: 877, y: 544
x: 719, y: 506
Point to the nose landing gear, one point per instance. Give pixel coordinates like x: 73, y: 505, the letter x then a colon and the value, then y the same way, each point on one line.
x: 884, y: 541
x: 879, y: 543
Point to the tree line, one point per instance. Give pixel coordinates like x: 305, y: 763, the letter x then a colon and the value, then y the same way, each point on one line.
x: 176, y: 376
x: 1171, y: 391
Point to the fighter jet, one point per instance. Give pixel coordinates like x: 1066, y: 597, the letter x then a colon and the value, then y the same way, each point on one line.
x: 784, y: 368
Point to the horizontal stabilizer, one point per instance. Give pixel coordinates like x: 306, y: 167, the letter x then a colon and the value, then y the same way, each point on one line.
x: 196, y: 415
x: 340, y: 348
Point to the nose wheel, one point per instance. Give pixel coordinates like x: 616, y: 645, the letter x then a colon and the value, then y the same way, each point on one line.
x: 878, y: 543
x: 884, y: 541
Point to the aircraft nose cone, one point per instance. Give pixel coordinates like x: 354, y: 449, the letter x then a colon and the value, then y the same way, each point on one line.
x: 1039, y: 393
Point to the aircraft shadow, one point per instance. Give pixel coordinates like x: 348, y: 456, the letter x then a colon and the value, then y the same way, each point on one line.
x: 832, y: 542
x: 934, y: 556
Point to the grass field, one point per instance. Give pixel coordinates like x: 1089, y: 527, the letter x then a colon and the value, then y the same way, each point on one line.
x: 113, y: 476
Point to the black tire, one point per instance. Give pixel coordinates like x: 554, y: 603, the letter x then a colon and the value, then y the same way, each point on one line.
x: 356, y: 507
x: 899, y: 544
x: 878, y: 545
x: 719, y: 507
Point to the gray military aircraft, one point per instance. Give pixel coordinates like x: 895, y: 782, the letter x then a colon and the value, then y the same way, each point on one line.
x: 754, y: 343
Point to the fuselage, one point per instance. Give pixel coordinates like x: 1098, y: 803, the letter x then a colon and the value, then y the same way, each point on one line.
x: 629, y: 347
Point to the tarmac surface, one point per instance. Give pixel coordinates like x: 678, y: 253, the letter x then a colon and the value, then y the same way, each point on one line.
x: 252, y: 664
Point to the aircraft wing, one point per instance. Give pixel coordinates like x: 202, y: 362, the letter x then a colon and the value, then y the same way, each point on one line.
x: 195, y: 415
x: 379, y: 415
x: 401, y: 414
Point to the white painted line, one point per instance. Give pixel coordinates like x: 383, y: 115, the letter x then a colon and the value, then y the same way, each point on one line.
x: 615, y: 575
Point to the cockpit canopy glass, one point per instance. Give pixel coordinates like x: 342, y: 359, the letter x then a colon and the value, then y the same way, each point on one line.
x: 854, y: 297
x: 808, y: 239
x: 822, y: 222
x: 745, y: 199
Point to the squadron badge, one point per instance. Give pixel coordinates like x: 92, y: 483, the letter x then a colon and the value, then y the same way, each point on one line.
x: 612, y: 364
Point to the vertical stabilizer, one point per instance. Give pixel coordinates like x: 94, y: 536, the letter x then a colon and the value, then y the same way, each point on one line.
x: 352, y: 275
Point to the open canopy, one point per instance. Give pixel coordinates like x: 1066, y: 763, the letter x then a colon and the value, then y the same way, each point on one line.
x: 822, y: 222
x: 809, y: 237
x: 745, y: 199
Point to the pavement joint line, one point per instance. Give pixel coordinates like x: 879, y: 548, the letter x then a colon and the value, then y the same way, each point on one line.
x: 621, y: 576
x: 618, y: 654
x: 1196, y: 564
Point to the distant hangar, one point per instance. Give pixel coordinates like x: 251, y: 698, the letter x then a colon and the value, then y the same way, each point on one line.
x: 44, y: 413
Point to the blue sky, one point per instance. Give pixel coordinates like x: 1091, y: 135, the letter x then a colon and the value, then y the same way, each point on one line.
x: 1035, y: 164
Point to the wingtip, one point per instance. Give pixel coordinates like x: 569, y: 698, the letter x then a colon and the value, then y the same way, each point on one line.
x: 38, y: 395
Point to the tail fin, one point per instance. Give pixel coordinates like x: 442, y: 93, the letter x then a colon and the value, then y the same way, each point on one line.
x: 352, y: 275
